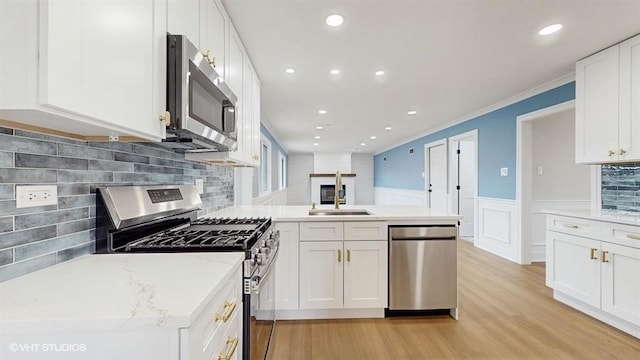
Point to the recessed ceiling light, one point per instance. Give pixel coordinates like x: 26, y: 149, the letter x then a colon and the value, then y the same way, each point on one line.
x: 373, y: 138
x: 290, y: 71
x: 548, y: 30
x: 319, y: 127
x: 315, y: 144
x: 412, y: 112
x: 334, y: 20
x: 322, y: 112
x: 316, y: 137
x: 335, y: 72
x: 362, y: 144
x: 388, y: 128
x: 379, y: 72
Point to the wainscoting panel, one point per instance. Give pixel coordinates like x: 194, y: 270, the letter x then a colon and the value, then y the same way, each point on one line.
x: 497, y: 227
x: 389, y: 196
x: 538, y: 251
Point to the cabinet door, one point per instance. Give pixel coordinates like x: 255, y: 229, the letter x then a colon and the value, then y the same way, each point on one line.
x: 321, y: 275
x: 365, y: 274
x: 597, y: 98
x: 620, y: 285
x: 234, y: 72
x: 287, y: 267
x: 183, y: 18
x: 106, y: 60
x: 247, y: 111
x: 213, y: 27
x: 629, y: 134
x: 255, y: 120
x: 573, y: 266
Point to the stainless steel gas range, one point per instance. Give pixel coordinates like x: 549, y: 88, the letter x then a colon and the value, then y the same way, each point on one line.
x: 149, y: 219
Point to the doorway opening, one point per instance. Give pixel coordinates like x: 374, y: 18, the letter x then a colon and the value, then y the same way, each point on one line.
x: 463, y: 181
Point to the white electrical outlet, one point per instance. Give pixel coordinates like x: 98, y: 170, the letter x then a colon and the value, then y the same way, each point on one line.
x: 504, y: 171
x: 200, y: 186
x: 36, y: 195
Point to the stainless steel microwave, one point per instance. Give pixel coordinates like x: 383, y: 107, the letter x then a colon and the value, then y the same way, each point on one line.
x: 201, y: 105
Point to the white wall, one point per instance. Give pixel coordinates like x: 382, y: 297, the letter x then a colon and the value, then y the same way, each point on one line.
x: 554, y: 150
x: 299, y: 189
x: 362, y: 166
x: 331, y: 163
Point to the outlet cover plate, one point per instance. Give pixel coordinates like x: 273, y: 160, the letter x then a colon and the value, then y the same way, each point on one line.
x: 36, y: 195
x: 504, y: 171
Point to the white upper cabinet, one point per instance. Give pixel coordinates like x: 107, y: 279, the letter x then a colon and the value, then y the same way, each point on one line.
x: 608, y: 105
x: 181, y: 19
x: 91, y: 68
x: 214, y: 32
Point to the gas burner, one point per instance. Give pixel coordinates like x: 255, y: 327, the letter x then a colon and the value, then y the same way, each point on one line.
x: 230, y: 221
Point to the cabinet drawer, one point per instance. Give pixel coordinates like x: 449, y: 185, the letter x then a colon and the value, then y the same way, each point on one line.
x: 229, y: 342
x: 573, y: 226
x: 628, y: 235
x: 365, y: 230
x: 321, y: 231
x: 205, y: 332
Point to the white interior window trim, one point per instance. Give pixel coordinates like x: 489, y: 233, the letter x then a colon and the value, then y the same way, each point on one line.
x: 265, y: 166
x: 282, y: 171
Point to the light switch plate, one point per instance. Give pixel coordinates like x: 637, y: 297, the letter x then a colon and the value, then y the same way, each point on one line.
x: 200, y: 186
x: 504, y: 171
x: 36, y: 195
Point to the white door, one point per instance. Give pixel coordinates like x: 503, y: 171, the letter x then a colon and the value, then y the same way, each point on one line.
x: 620, y: 286
x: 365, y: 274
x: 436, y: 177
x: 321, y: 274
x: 466, y: 186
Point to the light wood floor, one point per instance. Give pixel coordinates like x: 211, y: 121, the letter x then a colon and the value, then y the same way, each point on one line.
x: 506, y: 312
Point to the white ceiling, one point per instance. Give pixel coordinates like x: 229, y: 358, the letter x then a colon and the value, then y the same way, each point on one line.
x: 444, y: 58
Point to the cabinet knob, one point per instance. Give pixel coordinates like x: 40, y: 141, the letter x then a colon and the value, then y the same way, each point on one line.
x: 623, y: 151
x: 611, y: 152
x: 166, y: 118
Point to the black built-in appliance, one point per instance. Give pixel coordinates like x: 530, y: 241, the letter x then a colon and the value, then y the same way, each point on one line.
x: 151, y: 219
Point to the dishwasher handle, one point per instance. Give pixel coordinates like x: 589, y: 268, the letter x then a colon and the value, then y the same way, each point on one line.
x: 422, y: 233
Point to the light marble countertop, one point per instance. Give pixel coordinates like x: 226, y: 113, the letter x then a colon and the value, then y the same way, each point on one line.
x: 392, y: 213
x: 116, y: 292
x: 603, y: 215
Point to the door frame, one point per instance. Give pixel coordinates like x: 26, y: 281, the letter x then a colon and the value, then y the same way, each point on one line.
x: 453, y: 158
x: 427, y: 195
x: 524, y: 177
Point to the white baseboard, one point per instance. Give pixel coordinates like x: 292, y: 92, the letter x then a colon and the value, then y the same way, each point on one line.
x: 390, y: 196
x: 538, y: 243
x: 329, y: 314
x: 273, y: 198
x: 497, y: 227
x: 629, y: 328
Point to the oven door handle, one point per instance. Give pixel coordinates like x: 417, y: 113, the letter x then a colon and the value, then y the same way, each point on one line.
x: 256, y: 280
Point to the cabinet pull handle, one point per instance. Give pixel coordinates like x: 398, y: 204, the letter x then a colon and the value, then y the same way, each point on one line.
x: 593, y: 254
x: 570, y: 226
x: 232, y: 349
x: 229, y: 307
x: 339, y: 255
x: 348, y: 255
x: 623, y: 151
x: 611, y: 152
x: 633, y: 236
x: 604, y: 257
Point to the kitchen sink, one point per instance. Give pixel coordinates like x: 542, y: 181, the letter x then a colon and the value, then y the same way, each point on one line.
x: 324, y: 212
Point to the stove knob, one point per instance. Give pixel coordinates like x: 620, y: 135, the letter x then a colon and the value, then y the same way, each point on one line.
x: 261, y: 259
x: 254, y: 259
x: 265, y: 251
x: 271, y: 243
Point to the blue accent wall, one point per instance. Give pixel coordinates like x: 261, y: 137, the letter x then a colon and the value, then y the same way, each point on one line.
x: 496, y: 148
x: 275, y: 148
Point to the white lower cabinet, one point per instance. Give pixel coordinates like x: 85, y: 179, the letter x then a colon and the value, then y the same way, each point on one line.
x: 620, y: 283
x: 343, y: 265
x: 594, y: 274
x: 217, y: 331
x: 321, y: 275
x: 287, y: 267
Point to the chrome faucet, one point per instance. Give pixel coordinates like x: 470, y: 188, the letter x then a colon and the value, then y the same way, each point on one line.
x: 337, y: 191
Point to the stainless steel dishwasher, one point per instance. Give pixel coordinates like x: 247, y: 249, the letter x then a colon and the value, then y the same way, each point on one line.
x: 423, y: 268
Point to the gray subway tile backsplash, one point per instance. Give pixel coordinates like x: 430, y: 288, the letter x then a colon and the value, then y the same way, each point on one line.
x: 37, y: 237
x: 621, y: 188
